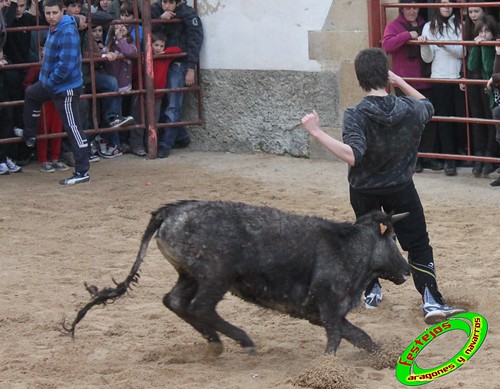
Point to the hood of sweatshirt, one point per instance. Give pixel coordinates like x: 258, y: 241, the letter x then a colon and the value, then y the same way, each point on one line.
x: 66, y: 19
x: 384, y: 110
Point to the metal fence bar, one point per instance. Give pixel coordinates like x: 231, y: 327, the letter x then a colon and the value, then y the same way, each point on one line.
x: 145, y: 88
x: 377, y: 20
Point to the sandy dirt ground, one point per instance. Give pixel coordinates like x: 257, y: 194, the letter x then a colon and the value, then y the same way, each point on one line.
x: 54, y: 238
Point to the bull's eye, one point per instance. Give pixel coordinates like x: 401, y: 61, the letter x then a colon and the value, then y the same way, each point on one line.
x: 394, y: 237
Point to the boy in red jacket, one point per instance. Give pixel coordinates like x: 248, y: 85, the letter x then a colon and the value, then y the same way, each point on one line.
x: 160, y: 72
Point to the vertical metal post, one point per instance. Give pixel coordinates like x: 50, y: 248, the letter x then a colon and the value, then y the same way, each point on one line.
x: 148, y: 80
x: 374, y: 34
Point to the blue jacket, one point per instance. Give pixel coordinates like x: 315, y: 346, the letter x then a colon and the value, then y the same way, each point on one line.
x: 62, y: 62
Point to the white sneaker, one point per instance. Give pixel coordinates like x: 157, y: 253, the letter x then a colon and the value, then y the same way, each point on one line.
x: 76, y: 178
x: 18, y: 131
x: 121, y: 121
x: 434, y: 312
x: 374, y: 298
x: 4, y: 169
x: 111, y: 152
x: 13, y: 168
x: 102, y: 145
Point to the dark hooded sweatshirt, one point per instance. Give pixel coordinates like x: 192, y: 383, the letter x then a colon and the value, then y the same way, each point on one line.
x: 384, y: 133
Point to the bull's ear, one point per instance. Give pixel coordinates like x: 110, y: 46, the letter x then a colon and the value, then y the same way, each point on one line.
x: 383, y: 228
x: 398, y: 217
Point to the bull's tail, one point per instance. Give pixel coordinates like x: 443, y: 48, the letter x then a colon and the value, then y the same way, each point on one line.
x: 111, y: 294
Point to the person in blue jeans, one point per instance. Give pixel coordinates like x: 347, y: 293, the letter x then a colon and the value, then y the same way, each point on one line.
x: 104, y: 83
x: 112, y: 114
x: 111, y: 108
x: 174, y: 136
x: 188, y: 35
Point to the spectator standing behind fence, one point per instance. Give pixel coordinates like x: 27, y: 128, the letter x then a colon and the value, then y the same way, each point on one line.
x: 115, y: 6
x: 60, y: 81
x: 17, y: 51
x: 111, y: 106
x: 7, y: 166
x: 102, y: 5
x: 160, y: 74
x: 188, y: 35
x: 446, y: 63
x: 111, y: 110
x: 494, y: 86
x: 126, y: 15
x: 381, y: 169
x: 49, y: 123
x: 480, y: 61
x: 121, y: 51
x: 407, y: 62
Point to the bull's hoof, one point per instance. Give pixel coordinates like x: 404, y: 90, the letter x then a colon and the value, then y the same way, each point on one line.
x: 214, y: 349
x: 375, y: 350
x: 251, y: 351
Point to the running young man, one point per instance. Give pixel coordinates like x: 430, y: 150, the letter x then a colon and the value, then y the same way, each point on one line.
x: 381, y: 136
x: 60, y: 81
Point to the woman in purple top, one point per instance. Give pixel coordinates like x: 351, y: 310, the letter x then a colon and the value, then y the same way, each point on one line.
x: 407, y: 62
x: 406, y: 59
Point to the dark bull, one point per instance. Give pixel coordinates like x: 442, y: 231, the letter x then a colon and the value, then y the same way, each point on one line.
x: 307, y: 267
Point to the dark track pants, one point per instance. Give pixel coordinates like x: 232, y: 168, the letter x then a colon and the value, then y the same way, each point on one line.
x: 410, y: 231
x: 68, y: 107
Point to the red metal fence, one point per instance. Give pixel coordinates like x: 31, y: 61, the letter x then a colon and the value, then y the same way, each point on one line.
x: 145, y: 88
x: 377, y: 20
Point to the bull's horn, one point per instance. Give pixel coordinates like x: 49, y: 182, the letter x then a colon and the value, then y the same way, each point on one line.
x: 399, y: 216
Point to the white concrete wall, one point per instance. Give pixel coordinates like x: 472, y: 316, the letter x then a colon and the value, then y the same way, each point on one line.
x: 260, y: 34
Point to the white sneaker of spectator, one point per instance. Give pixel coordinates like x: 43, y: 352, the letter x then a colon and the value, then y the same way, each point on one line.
x: 112, y: 152
x: 13, y: 168
x: 18, y: 132
x: 102, y: 145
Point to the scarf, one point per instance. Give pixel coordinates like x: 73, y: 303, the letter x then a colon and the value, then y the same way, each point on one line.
x: 413, y: 51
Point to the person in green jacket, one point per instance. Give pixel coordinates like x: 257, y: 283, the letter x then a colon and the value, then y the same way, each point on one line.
x: 480, y: 62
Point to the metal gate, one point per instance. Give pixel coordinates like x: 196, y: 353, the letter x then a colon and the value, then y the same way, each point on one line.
x: 377, y: 20
x: 145, y: 89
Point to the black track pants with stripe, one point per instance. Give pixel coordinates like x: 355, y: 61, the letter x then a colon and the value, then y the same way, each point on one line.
x: 68, y: 106
x: 410, y: 231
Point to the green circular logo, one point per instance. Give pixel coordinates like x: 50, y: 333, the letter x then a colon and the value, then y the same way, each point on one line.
x: 473, y: 324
